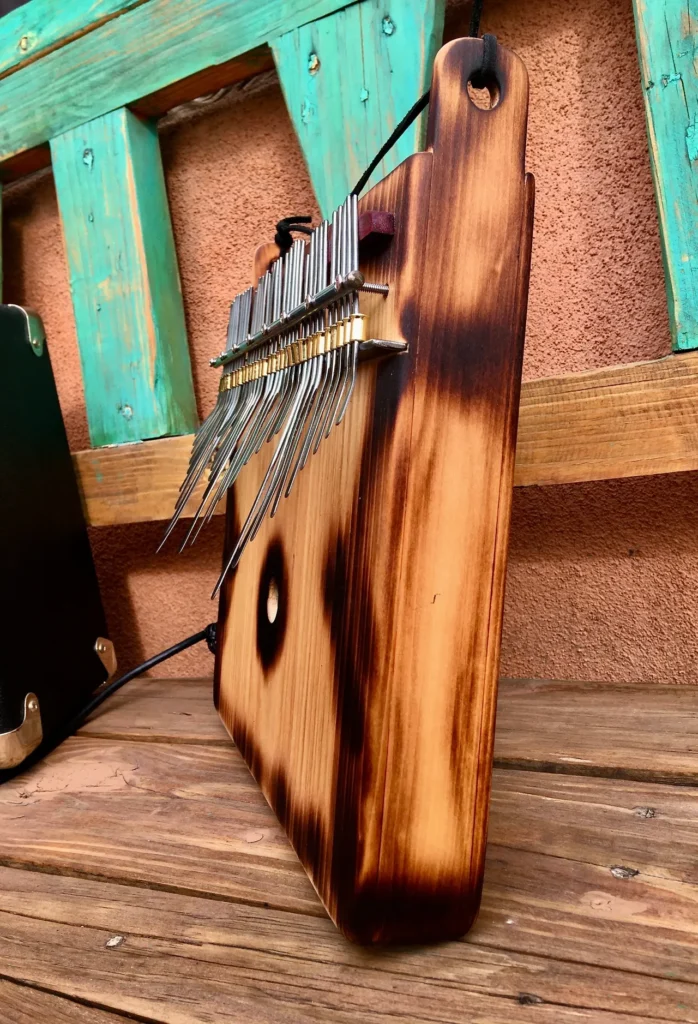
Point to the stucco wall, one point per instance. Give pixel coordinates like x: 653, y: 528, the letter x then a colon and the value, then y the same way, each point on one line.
x: 602, y: 577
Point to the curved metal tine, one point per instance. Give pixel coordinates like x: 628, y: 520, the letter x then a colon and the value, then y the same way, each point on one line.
x: 342, y: 267
x: 316, y: 277
x: 305, y: 446
x: 304, y: 418
x: 266, y: 491
x: 350, y: 351
x: 295, y: 296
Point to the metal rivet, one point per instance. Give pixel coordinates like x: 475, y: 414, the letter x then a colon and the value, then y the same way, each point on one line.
x: 388, y: 25
x: 33, y: 705
x: 101, y: 647
x: 24, y: 43
x: 313, y: 63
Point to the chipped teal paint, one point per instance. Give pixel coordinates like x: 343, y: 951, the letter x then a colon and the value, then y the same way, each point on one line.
x: 137, y: 53
x: 349, y: 78
x: 124, y: 280
x: 41, y: 25
x: 667, y: 40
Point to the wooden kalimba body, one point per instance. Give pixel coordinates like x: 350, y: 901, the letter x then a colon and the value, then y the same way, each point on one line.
x: 360, y: 630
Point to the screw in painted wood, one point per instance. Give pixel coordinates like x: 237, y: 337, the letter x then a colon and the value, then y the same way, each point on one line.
x: 313, y: 63
x: 88, y: 158
x: 363, y: 95
x: 24, y: 44
x: 388, y: 25
x: 127, y: 412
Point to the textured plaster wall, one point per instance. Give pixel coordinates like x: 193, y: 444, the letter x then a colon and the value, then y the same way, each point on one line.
x: 602, y: 578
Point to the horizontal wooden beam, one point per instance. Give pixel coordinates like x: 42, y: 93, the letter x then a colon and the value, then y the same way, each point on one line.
x: 635, y: 420
x: 142, y: 51
x: 36, y: 28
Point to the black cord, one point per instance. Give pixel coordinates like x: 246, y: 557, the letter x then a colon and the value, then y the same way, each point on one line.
x: 50, y: 743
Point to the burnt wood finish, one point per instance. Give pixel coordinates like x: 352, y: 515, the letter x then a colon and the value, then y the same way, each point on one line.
x: 360, y: 634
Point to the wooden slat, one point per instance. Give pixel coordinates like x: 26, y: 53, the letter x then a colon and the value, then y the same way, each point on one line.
x: 197, y: 823
x: 622, y: 421
x: 141, y: 52
x: 643, y: 732
x: 667, y: 35
x: 124, y: 280
x: 634, y: 420
x: 36, y: 28
x: 22, y: 1004
x: 625, y: 731
x: 212, y: 962
x: 342, y: 119
x: 162, y: 711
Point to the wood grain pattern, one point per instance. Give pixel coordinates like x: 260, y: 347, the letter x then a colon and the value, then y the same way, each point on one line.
x: 643, y: 732
x: 639, y: 419
x: 367, y: 713
x: 124, y: 280
x: 194, y: 960
x: 143, y: 51
x: 343, y: 119
x: 36, y: 28
x: 667, y: 34
x: 631, y: 731
x: 22, y: 1004
x: 560, y: 939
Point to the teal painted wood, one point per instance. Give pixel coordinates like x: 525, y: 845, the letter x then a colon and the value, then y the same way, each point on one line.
x: 124, y: 280
x: 349, y: 78
x: 667, y: 41
x: 143, y: 50
x: 41, y: 25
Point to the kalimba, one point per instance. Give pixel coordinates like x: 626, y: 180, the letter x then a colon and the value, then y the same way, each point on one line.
x: 365, y: 434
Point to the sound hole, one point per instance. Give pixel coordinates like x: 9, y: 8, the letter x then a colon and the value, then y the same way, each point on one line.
x: 273, y: 601
x: 272, y: 605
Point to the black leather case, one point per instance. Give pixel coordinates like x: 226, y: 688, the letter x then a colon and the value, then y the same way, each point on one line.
x: 53, y: 646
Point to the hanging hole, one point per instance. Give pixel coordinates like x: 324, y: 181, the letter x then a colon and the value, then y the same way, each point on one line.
x: 272, y: 601
x: 483, y: 91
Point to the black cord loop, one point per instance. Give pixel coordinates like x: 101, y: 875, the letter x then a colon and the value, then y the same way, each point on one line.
x: 50, y: 743
x: 284, y: 227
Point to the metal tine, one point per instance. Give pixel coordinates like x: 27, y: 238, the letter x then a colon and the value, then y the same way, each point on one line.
x: 306, y: 381
x: 240, y: 411
x: 265, y: 491
x: 352, y: 350
x: 256, y: 426
x: 354, y: 358
x: 309, y: 403
x: 313, y: 412
x: 342, y: 267
x: 207, y: 434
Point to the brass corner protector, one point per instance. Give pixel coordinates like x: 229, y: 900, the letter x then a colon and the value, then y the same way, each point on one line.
x: 19, y: 743
x: 106, y: 654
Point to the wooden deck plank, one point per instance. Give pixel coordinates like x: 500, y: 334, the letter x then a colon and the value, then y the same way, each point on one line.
x: 624, y: 421
x: 635, y: 731
x: 622, y: 730
x: 160, y: 710
x: 22, y: 1004
x: 197, y: 960
x: 198, y: 824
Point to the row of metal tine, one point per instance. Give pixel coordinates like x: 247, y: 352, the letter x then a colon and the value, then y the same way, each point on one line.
x: 295, y: 386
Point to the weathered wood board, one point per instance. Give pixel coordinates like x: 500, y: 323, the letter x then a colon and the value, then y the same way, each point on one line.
x: 365, y: 706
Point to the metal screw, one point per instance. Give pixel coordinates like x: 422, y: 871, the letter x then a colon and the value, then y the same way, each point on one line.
x: 33, y: 705
x: 376, y: 289
x: 363, y: 95
x: 313, y: 63
x: 388, y: 25
x: 101, y: 647
x: 24, y: 44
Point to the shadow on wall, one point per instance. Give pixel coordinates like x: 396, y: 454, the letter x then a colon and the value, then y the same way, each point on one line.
x: 603, y: 581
